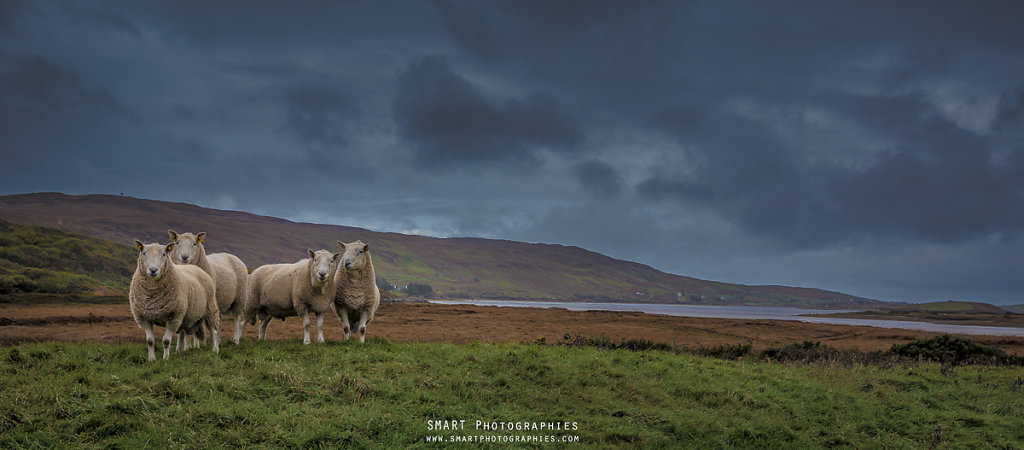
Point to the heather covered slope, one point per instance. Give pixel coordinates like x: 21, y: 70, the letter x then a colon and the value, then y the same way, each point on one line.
x: 454, y: 267
x: 50, y: 261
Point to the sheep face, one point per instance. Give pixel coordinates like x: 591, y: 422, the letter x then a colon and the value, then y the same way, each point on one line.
x: 153, y: 258
x: 187, y: 249
x: 355, y: 254
x: 321, y: 265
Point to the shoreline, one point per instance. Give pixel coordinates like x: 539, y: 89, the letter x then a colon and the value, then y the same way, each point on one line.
x: 1008, y: 327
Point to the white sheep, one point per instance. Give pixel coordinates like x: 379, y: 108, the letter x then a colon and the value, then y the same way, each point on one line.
x: 356, y: 291
x: 230, y: 276
x: 178, y: 298
x: 285, y: 290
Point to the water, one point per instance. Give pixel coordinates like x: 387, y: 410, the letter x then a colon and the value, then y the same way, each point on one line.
x: 749, y: 312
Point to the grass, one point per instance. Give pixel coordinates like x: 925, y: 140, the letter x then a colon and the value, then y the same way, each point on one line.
x: 383, y: 394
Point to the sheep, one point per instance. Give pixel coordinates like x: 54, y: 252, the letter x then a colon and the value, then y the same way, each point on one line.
x: 356, y: 290
x: 230, y: 276
x: 285, y: 290
x: 178, y: 298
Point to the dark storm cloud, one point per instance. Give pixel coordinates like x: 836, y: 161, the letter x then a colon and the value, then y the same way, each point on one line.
x: 318, y: 117
x: 452, y: 123
x: 1011, y: 110
x: 31, y: 82
x: 751, y: 142
x: 598, y: 176
x: 103, y: 17
x: 933, y: 180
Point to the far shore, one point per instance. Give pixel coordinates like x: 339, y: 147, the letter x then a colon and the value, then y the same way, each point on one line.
x: 977, y: 319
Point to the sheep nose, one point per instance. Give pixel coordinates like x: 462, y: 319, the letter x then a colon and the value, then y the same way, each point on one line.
x: 184, y: 258
x: 153, y: 270
x: 322, y: 274
x: 348, y: 265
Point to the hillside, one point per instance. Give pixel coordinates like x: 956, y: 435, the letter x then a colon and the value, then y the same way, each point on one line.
x: 46, y: 260
x: 454, y: 267
x: 949, y: 307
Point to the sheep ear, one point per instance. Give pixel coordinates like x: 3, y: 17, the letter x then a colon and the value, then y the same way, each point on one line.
x: 139, y: 244
x: 342, y: 244
x: 311, y: 253
x: 170, y: 247
x: 366, y: 247
x: 334, y: 257
x: 201, y: 237
x: 174, y: 236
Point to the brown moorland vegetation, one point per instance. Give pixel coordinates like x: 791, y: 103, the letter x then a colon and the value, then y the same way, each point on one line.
x: 454, y: 267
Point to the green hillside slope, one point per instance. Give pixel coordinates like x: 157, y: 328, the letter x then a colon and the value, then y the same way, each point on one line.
x: 454, y: 267
x: 47, y: 260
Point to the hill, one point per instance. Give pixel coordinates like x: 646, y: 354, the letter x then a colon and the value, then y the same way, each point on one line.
x: 949, y: 307
x: 46, y: 260
x: 1018, y: 309
x: 454, y: 267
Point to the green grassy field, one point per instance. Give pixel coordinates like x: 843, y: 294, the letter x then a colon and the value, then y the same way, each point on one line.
x: 383, y: 394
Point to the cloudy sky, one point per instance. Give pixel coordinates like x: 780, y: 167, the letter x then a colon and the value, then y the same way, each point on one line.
x: 875, y: 148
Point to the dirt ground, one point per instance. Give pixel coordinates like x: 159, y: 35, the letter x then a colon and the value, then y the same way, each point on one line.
x: 468, y: 323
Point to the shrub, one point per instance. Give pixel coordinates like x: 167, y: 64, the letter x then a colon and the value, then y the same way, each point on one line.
x: 570, y: 340
x: 947, y: 348
x: 419, y: 289
x: 384, y: 285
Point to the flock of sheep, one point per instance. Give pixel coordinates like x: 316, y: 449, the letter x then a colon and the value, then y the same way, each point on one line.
x: 181, y: 288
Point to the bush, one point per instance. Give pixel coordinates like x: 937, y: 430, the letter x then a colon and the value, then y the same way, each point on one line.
x: 724, y: 351
x: 947, y: 348
x: 17, y: 283
x: 384, y: 285
x: 419, y: 289
x: 570, y: 340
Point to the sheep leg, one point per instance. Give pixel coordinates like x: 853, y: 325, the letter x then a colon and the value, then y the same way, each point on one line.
x: 305, y: 328
x: 239, y: 326
x: 263, y: 328
x: 320, y: 327
x: 214, y: 335
x: 168, y: 336
x: 343, y: 315
x: 361, y: 328
x: 148, y: 328
x: 197, y: 335
x: 182, y: 342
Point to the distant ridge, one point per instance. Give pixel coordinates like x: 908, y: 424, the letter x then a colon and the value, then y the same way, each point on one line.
x: 950, y: 307
x: 454, y: 267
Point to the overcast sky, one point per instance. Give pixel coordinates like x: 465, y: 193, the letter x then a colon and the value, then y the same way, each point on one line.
x: 875, y: 148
